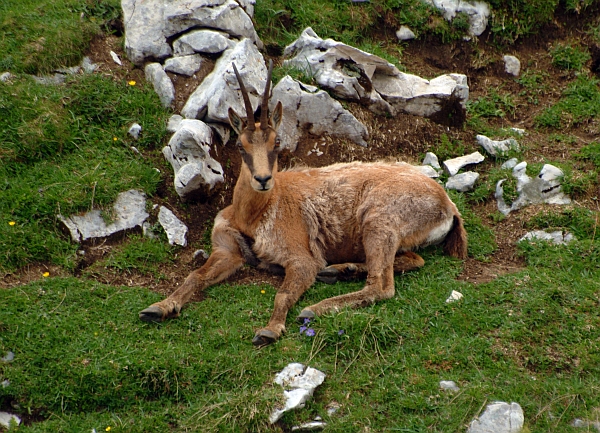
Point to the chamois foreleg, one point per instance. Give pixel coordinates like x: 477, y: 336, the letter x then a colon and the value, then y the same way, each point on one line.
x: 298, y: 278
x: 380, y: 248
x: 225, y: 259
x: 404, y: 262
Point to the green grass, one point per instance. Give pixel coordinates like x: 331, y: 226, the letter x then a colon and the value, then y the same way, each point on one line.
x: 569, y: 57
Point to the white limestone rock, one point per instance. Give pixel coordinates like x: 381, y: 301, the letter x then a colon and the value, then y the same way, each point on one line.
x: 163, y: 86
x: 184, y: 65
x: 221, y: 90
x: 428, y: 171
x: 449, y: 385
x: 512, y: 65
x: 128, y: 214
x: 454, y: 296
x: 499, y: 417
x: 202, y: 41
x: 188, y: 152
x: 478, y: 12
x: 510, y: 164
x: 544, y: 188
x: 6, y: 418
x: 306, y: 108
x: 5, y: 77
x: 174, y: 122
x: 405, y: 34
x: 116, y: 58
x: 135, y: 130
x: 144, y: 30
x: 224, y: 15
x: 298, y: 383
x: 453, y: 166
x: 175, y: 229
x: 462, y: 182
x: 497, y: 147
x: 355, y: 75
x: 556, y: 237
x: 432, y: 160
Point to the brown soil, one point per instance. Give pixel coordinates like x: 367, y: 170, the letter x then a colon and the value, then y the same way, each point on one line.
x: 404, y: 137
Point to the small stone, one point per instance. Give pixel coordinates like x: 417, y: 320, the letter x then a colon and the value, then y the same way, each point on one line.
x: 332, y: 408
x: 556, y: 237
x: 454, y: 296
x: 449, y: 385
x: 9, y: 357
x: 55, y: 79
x: 174, y: 123
x: 6, y: 418
x: 5, y: 76
x: 175, y: 229
x: 184, y: 65
x: 452, y: 166
x: 405, y: 34
x: 495, y: 147
x: 519, y: 131
x: 88, y: 66
x: 428, y: 171
x: 462, y: 182
x: 432, y: 160
x: 163, y: 86
x: 116, y: 58
x: 510, y: 164
x: 310, y: 426
x: 5, y: 383
x: 499, y: 417
x: 512, y: 65
x: 134, y: 130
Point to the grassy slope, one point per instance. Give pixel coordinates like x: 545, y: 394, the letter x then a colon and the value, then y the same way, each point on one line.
x: 83, y: 360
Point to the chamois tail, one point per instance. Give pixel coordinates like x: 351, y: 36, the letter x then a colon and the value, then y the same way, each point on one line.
x: 455, y: 244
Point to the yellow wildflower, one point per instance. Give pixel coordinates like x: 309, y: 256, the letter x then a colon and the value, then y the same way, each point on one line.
x: 132, y: 83
x: 46, y: 274
x: 108, y: 428
x: 263, y: 292
x: 115, y: 138
x: 11, y: 223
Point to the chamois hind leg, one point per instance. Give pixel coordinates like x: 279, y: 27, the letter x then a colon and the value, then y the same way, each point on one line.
x: 298, y: 278
x: 380, y: 251
x: 224, y: 261
x: 404, y: 262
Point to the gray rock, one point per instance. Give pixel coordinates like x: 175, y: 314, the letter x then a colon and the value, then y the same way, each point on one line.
x: 184, y: 65
x: 512, y: 65
x: 556, y: 237
x: 144, y: 30
x: 9, y: 357
x: 298, y: 383
x: 453, y: 166
x: 511, y: 163
x: 405, y: 34
x: 188, y: 152
x: 478, y: 12
x: 135, y: 130
x: 163, y: 86
x: 174, y: 123
x: 175, y: 229
x: 73, y: 70
x: 462, y: 182
x: 310, y: 426
x: 128, y: 214
x: 428, y: 171
x: 544, y: 188
x: 306, y: 108
x: 51, y: 80
x: 6, y: 418
x: 225, y: 15
x: 220, y: 89
x: 499, y: 417
x: 5, y: 76
x: 88, y: 66
x: 355, y: 75
x: 449, y: 385
x: 432, y: 160
x: 5, y: 383
x: 495, y: 147
x: 202, y: 41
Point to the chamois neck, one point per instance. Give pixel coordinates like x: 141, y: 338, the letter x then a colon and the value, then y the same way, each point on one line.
x: 248, y: 203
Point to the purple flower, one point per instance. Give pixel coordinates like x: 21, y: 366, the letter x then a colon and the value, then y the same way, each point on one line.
x: 302, y: 329
x: 306, y: 321
x: 341, y: 332
x: 310, y: 332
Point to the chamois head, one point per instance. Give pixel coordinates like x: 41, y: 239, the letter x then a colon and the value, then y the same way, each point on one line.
x: 258, y: 141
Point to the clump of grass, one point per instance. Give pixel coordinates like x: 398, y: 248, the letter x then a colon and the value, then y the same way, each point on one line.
x: 579, y: 221
x: 590, y: 152
x: 448, y: 148
x: 580, y: 102
x: 568, y: 57
x: 140, y: 254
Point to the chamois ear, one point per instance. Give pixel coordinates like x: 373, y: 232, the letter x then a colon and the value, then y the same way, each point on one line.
x: 277, y: 116
x: 236, y: 121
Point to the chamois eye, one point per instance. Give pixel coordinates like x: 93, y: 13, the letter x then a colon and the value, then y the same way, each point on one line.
x: 277, y: 143
x: 240, y: 147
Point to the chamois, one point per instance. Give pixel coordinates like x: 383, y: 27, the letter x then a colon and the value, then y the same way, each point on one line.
x: 351, y: 216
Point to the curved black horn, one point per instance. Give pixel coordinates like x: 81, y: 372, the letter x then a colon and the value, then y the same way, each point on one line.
x: 264, y: 110
x: 249, y: 111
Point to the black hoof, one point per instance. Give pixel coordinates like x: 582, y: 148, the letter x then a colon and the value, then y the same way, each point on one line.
x: 152, y: 314
x: 305, y: 314
x: 328, y: 275
x: 264, y: 337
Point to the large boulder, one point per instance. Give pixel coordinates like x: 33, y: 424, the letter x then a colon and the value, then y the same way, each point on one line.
x: 305, y: 108
x: 202, y: 41
x: 356, y: 75
x: 221, y: 90
x: 188, y: 152
x: 477, y: 11
x: 144, y: 30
